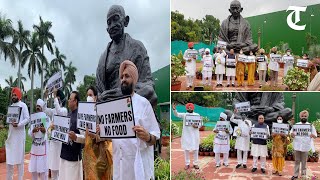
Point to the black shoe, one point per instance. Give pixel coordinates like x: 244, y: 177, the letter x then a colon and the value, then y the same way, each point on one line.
x: 260, y: 86
x: 294, y: 177
x: 233, y: 85
x: 263, y: 171
x: 239, y: 165
x: 254, y: 170
x: 221, y: 85
x: 217, y: 85
x: 228, y: 85
x: 245, y: 166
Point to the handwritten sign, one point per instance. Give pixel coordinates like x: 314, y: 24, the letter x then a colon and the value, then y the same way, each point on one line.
x: 288, y: 59
x: 243, y: 106
x: 280, y: 128
x: 222, y: 125
x: 39, y: 119
x: 261, y: 58
x: 193, y: 120
x: 302, y: 63
x: 231, y: 62
x: 116, y: 119
x: 275, y: 57
x: 192, y: 53
x: 259, y: 133
x: 61, y: 128
x: 13, y: 115
x: 221, y: 138
x: 87, y: 116
x: 302, y: 130
x: 251, y: 59
x: 222, y: 44
x: 55, y: 81
x: 242, y: 58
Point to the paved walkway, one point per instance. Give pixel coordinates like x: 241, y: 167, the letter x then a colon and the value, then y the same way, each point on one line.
x: 208, y: 169
x: 255, y: 87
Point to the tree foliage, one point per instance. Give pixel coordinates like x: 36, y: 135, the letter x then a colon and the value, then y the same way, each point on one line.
x: 88, y: 80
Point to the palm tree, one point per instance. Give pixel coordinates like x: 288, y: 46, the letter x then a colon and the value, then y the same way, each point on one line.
x: 34, y: 57
x: 21, y: 36
x: 6, y: 32
x: 16, y: 82
x: 70, y: 78
x: 10, y: 82
x: 58, y: 61
x: 44, y: 36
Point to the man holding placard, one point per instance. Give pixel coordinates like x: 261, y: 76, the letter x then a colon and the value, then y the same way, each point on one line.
x: 223, y: 129
x: 243, y: 138
x: 220, y: 61
x: 303, y: 133
x: 190, y: 56
x: 288, y: 60
x: 15, y: 144
x: 262, y: 60
x: 39, y: 124
x: 274, y: 67
x: 207, y: 67
x: 241, y: 67
x: 280, y: 139
x: 251, y: 68
x: 231, y: 67
x: 259, y: 135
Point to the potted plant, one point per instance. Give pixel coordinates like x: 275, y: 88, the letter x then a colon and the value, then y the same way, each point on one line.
x: 199, y: 73
x: 289, y: 155
x: 161, y: 168
x: 233, y: 153
x: 296, y: 79
x: 316, y: 124
x: 174, y: 129
x: 177, y: 69
x: 3, y: 138
x: 205, y: 119
x: 269, y: 147
x: 165, y: 139
x: 310, y: 157
x: 316, y: 156
x: 201, y: 149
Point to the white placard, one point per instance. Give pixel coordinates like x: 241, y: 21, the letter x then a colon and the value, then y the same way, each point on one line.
x: 259, y: 133
x: 275, y: 57
x: 116, y: 118
x: 201, y: 51
x: 302, y: 130
x: 87, y: 116
x: 193, y: 119
x: 288, y: 59
x: 13, y: 115
x: 243, y: 106
x: 280, y: 128
x: 222, y: 44
x: 222, y: 125
x: 261, y: 58
x: 39, y: 119
x: 221, y: 139
x: 242, y: 58
x: 302, y: 63
x: 61, y: 128
x: 251, y: 59
x: 192, y: 53
x: 231, y: 62
x: 236, y: 131
x: 55, y: 81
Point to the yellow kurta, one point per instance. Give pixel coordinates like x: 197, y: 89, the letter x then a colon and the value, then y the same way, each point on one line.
x: 251, y: 72
x: 240, y: 68
x: 279, y: 150
x: 97, y: 159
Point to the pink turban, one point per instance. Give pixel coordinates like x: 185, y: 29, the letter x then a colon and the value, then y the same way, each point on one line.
x: 17, y: 91
x: 189, y: 105
x: 131, y: 69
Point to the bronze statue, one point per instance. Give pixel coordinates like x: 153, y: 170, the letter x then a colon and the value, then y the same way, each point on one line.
x: 235, y: 30
x: 122, y: 47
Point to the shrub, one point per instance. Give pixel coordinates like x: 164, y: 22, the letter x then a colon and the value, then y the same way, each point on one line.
x: 162, y: 169
x: 190, y: 175
x: 296, y: 79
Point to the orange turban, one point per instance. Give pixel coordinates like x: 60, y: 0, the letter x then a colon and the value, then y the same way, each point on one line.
x: 190, y: 44
x: 17, y: 91
x: 189, y: 105
x: 132, y: 70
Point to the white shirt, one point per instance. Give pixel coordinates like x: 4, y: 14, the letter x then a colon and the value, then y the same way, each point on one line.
x: 243, y: 141
x: 222, y: 146
x: 273, y: 65
x: 207, y: 63
x: 303, y: 144
x: 262, y: 66
x: 132, y: 157
x: 190, y: 66
x: 15, y: 144
x: 220, y: 60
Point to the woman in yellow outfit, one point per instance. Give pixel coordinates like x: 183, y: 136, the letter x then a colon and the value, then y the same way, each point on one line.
x: 97, y: 155
x: 240, y: 70
x: 251, y: 71
x: 279, y: 150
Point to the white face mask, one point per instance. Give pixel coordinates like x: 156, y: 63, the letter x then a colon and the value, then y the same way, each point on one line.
x: 279, y: 121
x: 241, y: 52
x: 288, y: 53
x: 90, y: 99
x: 251, y: 54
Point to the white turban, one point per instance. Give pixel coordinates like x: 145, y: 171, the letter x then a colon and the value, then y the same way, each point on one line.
x: 40, y: 103
x: 207, y: 50
x: 223, y: 116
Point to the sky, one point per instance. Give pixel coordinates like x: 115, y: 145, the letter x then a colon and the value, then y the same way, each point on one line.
x: 219, y: 8
x: 80, y: 32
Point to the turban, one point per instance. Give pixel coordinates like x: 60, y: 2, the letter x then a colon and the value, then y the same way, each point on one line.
x: 189, y: 105
x: 17, y: 91
x: 40, y: 103
x: 116, y: 10
x: 207, y: 50
x: 305, y: 112
x: 190, y: 44
x: 223, y: 116
x: 131, y: 69
x: 262, y: 51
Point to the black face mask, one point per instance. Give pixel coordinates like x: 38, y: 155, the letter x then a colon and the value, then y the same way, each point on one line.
x: 126, y: 89
x: 207, y: 53
x: 262, y: 53
x: 304, y: 120
x: 190, y: 111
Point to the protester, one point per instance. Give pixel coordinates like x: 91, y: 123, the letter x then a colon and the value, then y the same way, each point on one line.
x: 190, y: 65
x: 207, y: 67
x: 231, y: 68
x: 274, y: 68
x: 220, y: 61
x: 251, y: 70
x: 262, y: 68
x: 241, y: 67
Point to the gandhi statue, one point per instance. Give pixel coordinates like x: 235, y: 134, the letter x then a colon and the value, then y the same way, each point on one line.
x: 235, y: 30
x: 122, y: 47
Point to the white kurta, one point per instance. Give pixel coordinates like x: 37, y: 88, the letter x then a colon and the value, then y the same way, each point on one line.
x: 273, y: 65
x: 260, y: 150
x: 303, y: 144
x: 262, y: 66
x: 243, y: 141
x: 220, y: 60
x: 230, y: 71
x: 71, y: 166
x: 287, y: 66
x: 54, y: 145
x: 15, y: 144
x: 222, y: 146
x: 132, y: 157
x: 190, y: 138
x: 207, y: 65
x: 191, y: 66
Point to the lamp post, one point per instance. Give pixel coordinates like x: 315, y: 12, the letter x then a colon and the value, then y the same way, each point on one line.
x: 294, y: 96
x: 311, y: 22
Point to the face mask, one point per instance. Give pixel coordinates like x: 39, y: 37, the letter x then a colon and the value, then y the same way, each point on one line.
x: 261, y: 53
x: 190, y: 111
x: 288, y: 53
x: 279, y: 121
x: 90, y: 99
x: 207, y: 53
x: 241, y: 52
x: 304, y: 120
x: 251, y: 54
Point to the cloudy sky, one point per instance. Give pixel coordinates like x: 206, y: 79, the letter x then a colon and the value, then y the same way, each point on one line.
x: 219, y: 8
x: 79, y: 30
